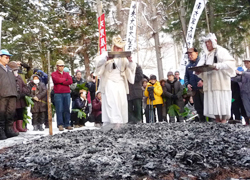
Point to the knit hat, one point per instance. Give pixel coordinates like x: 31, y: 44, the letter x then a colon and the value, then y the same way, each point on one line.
x: 152, y: 77
x: 170, y: 73
x: 190, y: 50
x: 97, y: 92
x: 13, y: 65
x: 66, y: 69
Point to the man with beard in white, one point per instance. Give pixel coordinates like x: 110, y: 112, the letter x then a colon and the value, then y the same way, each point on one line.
x: 115, y: 74
x: 217, y: 83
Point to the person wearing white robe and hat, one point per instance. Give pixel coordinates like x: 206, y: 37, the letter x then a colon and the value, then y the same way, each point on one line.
x: 114, y: 77
x: 217, y: 83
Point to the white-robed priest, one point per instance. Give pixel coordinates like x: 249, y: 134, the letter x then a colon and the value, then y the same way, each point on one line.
x: 217, y: 83
x: 114, y: 77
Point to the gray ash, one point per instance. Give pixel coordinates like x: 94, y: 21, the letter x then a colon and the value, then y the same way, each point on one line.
x: 135, y: 151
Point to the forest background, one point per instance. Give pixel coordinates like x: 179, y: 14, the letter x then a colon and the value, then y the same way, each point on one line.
x: 69, y: 30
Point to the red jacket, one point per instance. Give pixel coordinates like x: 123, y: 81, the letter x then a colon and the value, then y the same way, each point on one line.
x: 96, y: 107
x: 61, y: 82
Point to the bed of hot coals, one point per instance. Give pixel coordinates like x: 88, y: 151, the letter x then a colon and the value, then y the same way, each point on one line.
x: 143, y: 151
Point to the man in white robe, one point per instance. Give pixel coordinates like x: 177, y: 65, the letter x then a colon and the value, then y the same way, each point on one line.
x: 217, y: 83
x: 115, y: 74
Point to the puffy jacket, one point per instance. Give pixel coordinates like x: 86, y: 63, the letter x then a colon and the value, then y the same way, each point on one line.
x: 135, y: 91
x: 61, y: 82
x: 40, y: 92
x: 7, y: 83
x: 96, y: 107
x: 244, y: 78
x: 81, y: 104
x: 190, y: 77
x: 173, y: 88
x: 157, y: 93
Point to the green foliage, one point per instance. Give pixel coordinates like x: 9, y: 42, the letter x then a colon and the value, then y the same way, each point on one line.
x: 25, y: 118
x: 228, y: 19
x: 185, y: 91
x: 174, y: 110
x: 29, y: 101
x: 186, y: 112
x: 80, y: 113
x: 81, y: 86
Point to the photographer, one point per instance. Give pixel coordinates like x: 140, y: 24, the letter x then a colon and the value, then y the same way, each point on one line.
x: 153, y: 93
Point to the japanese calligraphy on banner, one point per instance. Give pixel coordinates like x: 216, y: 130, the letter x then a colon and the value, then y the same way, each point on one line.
x: 102, y: 33
x: 131, y: 30
x: 197, y: 11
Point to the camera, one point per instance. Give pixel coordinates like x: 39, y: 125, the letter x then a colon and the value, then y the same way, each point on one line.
x: 151, y: 93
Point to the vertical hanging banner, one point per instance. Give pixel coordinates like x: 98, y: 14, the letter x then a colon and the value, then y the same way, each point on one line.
x: 131, y: 30
x: 102, y: 33
x: 197, y: 11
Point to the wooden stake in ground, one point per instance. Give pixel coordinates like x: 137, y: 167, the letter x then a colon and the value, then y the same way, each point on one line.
x: 49, y: 99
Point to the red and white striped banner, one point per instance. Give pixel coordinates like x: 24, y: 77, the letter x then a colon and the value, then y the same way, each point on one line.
x: 102, y: 33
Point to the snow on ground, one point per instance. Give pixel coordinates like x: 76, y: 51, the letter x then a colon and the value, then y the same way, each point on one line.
x: 30, y: 135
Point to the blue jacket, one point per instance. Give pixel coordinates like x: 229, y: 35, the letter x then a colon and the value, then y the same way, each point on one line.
x: 191, y: 78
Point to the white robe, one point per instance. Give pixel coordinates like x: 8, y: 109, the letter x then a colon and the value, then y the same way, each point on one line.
x: 217, y: 83
x: 114, y: 87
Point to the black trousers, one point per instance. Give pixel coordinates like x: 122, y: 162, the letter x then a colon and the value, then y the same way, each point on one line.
x: 135, y: 110
x: 149, y: 111
x: 38, y: 118
x: 7, y: 111
x: 98, y: 119
x: 19, y: 114
x: 198, y: 98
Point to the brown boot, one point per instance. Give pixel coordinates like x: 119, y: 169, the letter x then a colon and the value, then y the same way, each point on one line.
x: 20, y: 126
x: 14, y: 127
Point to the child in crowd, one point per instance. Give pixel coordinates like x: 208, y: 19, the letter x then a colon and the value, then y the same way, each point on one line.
x: 81, y: 103
x: 38, y: 94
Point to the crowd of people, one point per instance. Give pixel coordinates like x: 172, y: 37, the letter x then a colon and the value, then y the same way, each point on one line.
x: 123, y: 94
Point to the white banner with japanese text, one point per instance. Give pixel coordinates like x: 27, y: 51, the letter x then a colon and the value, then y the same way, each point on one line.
x: 197, y: 11
x: 131, y: 30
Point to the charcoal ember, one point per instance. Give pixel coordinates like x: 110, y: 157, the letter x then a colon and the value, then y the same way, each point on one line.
x: 135, y: 152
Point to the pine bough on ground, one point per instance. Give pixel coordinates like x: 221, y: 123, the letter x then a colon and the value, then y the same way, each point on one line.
x: 134, y: 151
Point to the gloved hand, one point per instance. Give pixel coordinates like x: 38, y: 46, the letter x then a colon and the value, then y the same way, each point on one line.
x: 35, y: 98
x: 174, y: 97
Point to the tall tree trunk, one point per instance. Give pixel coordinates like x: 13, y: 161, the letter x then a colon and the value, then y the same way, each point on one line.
x: 71, y: 59
x: 183, y: 17
x: 211, y: 15
x: 157, y: 43
x: 120, y: 19
x: 86, y: 63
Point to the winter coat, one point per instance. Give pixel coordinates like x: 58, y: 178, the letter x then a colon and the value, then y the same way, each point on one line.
x: 190, y: 77
x: 82, y: 105
x: 40, y: 92
x: 7, y: 83
x: 61, y: 82
x: 96, y: 107
x: 135, y: 91
x: 173, y: 88
x: 22, y: 90
x: 144, y: 98
x: 220, y: 78
x: 244, y: 78
x: 157, y: 93
x: 75, y: 93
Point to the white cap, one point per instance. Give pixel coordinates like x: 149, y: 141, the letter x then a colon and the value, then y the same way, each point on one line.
x: 60, y: 63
